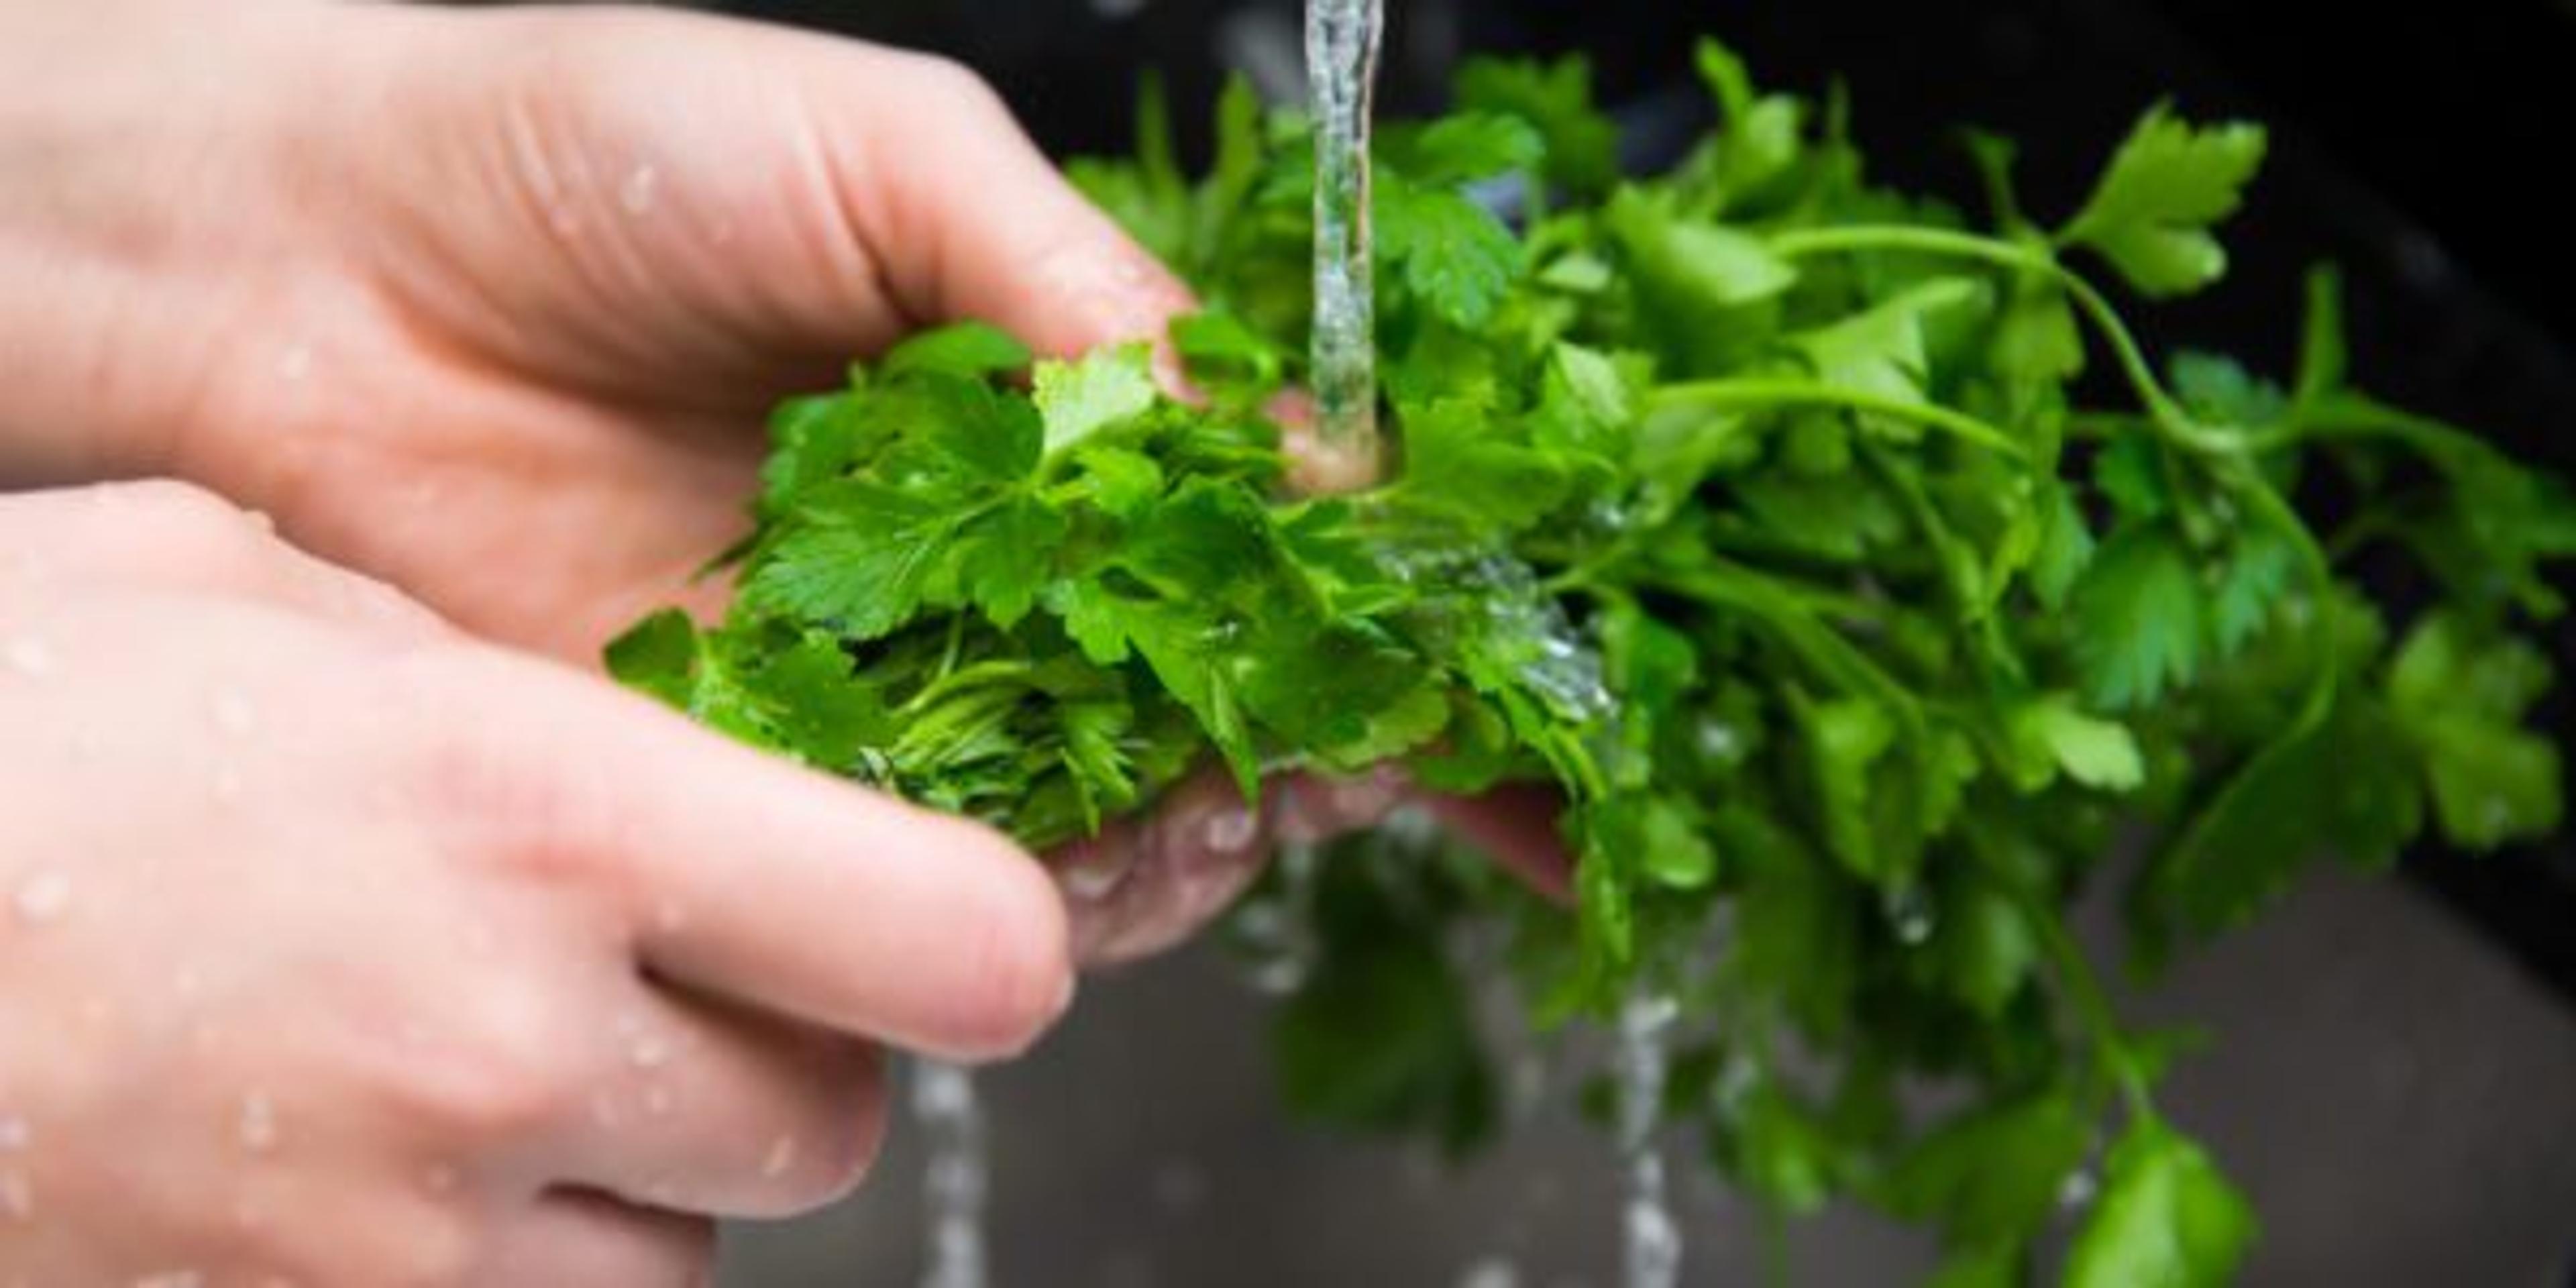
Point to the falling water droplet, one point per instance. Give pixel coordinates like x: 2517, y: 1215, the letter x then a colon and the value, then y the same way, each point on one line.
x: 1651, y: 1242
x: 43, y: 898
x: 1490, y: 1272
x: 1909, y: 914
x: 2077, y: 1189
x: 954, y: 1181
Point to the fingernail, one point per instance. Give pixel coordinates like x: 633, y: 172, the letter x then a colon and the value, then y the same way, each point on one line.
x: 1095, y: 873
x: 1229, y: 831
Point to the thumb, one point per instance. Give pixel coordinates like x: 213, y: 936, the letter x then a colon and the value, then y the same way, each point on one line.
x: 970, y: 221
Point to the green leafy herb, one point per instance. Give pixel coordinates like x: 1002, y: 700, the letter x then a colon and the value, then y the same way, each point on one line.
x: 1757, y: 511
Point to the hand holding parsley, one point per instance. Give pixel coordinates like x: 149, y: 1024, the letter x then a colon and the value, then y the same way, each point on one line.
x: 337, y: 947
x: 501, y: 326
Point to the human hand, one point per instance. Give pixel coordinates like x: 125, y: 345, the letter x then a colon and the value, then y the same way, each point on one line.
x: 338, y: 948
x: 499, y: 326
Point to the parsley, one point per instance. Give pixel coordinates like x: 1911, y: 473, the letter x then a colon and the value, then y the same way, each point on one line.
x: 1756, y: 510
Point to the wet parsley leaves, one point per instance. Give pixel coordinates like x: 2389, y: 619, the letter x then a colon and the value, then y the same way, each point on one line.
x: 1755, y: 510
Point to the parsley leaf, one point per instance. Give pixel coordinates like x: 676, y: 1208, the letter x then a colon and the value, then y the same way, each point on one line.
x: 2151, y: 211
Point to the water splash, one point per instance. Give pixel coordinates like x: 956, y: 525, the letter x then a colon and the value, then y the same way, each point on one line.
x: 1650, y: 1241
x: 1342, y: 38
x: 955, y: 1180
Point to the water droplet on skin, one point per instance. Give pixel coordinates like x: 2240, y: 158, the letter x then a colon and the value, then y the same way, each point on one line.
x: 43, y: 898
x: 605, y: 1111
x: 296, y: 363
x: 439, y: 1178
x: 14, y: 1134
x: 30, y: 657
x: 636, y: 196
x: 781, y: 1156
x: 226, y: 786
x: 1229, y: 831
x: 1095, y: 877
x: 657, y: 1101
x: 723, y: 233
x: 669, y: 916
x: 647, y: 1051
x: 565, y: 222
x: 234, y: 713
x: 257, y: 1126
x: 172, y: 1279
x: 17, y: 1197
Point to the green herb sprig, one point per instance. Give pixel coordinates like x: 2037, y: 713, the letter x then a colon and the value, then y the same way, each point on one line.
x: 1753, y: 507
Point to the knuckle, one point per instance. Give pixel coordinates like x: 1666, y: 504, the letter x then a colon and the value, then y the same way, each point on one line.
x: 512, y: 791
x: 957, y: 87
x: 504, y: 1071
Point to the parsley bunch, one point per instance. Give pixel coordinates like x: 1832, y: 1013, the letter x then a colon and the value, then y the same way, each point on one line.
x: 1765, y: 513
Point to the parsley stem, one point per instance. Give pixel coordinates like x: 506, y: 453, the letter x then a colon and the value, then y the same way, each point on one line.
x: 2160, y: 404
x: 1757, y: 394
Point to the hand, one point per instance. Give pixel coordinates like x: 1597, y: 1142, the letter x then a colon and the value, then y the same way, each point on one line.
x: 337, y: 948
x: 499, y: 321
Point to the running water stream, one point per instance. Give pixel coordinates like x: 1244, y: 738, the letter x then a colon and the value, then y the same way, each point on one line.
x: 1650, y: 1243
x: 954, y: 1179
x: 1342, y: 39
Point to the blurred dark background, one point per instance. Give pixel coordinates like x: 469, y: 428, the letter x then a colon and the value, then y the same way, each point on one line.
x: 2395, y: 1073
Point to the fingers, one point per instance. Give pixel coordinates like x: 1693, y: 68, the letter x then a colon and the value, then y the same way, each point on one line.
x: 742, y: 875
x: 175, y: 536
x: 1516, y: 828
x: 969, y: 219
x: 577, y: 1240
x: 704, y: 1108
x: 1144, y: 886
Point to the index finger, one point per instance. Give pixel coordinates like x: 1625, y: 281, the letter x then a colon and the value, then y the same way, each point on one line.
x: 744, y: 876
